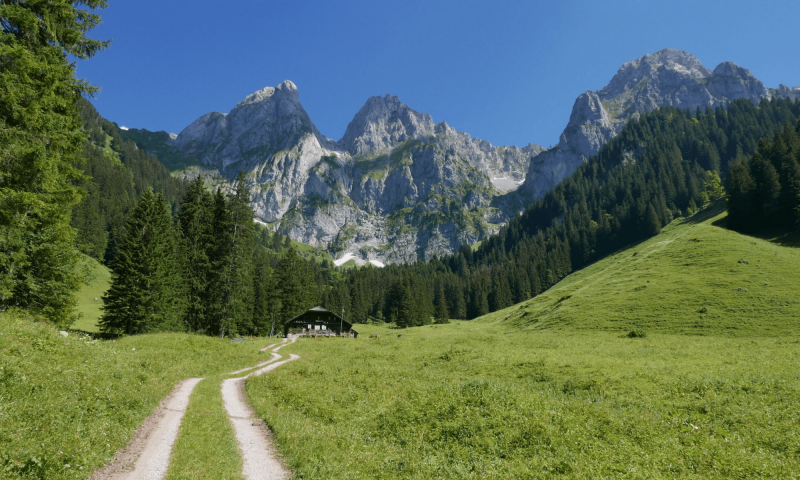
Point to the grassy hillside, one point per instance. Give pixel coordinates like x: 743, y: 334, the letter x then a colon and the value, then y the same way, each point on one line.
x: 90, y: 296
x: 68, y: 404
x: 556, y: 387
x: 694, y: 278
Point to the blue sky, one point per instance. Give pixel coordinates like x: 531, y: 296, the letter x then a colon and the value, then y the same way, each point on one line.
x: 504, y: 71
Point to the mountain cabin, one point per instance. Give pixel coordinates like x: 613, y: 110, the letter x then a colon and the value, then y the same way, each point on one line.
x: 319, y: 321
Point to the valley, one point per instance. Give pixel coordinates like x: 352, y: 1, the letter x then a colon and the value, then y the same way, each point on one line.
x: 249, y: 298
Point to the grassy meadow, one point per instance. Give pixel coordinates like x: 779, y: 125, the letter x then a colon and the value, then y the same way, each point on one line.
x: 68, y: 404
x: 708, y: 387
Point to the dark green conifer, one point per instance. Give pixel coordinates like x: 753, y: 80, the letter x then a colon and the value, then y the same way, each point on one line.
x: 146, y: 286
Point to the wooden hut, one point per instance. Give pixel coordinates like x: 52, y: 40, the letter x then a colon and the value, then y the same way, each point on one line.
x: 319, y: 321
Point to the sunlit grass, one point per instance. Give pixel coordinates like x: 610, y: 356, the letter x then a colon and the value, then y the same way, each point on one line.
x: 707, y: 388
x: 75, y: 401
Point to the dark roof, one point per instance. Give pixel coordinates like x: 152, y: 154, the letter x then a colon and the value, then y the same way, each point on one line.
x: 321, y: 310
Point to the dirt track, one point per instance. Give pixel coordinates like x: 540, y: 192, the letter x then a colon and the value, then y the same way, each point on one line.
x: 147, y: 455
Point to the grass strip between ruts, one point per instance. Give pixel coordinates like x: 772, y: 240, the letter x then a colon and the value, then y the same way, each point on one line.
x: 206, y: 445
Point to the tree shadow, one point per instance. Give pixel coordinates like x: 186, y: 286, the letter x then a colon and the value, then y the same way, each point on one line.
x: 716, y: 208
x: 780, y: 237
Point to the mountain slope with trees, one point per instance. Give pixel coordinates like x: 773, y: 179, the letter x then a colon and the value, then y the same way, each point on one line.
x: 664, y: 165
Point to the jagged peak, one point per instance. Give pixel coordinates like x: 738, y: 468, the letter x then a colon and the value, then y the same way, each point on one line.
x: 677, y: 60
x: 287, y: 87
x: 731, y: 69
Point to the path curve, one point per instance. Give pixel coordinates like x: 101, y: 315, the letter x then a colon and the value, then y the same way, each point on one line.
x: 147, y: 455
x: 259, y: 458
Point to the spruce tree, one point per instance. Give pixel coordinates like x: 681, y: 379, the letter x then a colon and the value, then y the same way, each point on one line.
x: 144, y: 295
x: 442, y: 311
x: 40, y: 146
x: 296, y: 285
x: 195, y: 223
x: 239, y: 269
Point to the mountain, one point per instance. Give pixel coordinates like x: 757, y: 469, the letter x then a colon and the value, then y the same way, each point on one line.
x: 396, y: 187
x: 665, y: 78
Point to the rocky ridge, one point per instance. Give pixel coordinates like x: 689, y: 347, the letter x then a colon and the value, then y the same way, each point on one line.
x: 395, y: 188
x: 665, y: 78
x: 398, y: 187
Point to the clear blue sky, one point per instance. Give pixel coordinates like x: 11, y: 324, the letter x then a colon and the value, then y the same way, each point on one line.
x: 504, y: 71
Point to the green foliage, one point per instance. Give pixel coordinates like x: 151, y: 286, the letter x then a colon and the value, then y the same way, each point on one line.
x: 296, y: 287
x: 197, y: 243
x: 145, y: 293
x: 764, y: 192
x: 40, y: 145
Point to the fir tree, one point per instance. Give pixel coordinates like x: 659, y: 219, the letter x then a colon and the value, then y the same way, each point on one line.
x: 297, y: 288
x: 144, y: 295
x: 442, y: 311
x: 195, y: 223
x: 40, y: 145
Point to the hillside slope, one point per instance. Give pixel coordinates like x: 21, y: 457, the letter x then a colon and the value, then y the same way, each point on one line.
x: 695, y: 277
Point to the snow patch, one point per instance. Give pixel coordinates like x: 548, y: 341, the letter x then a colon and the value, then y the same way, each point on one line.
x: 259, y: 221
x: 505, y: 184
x: 360, y: 262
x: 344, y: 259
x: 173, y: 136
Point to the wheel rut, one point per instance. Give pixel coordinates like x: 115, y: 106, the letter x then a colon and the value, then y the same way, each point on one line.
x: 147, y: 455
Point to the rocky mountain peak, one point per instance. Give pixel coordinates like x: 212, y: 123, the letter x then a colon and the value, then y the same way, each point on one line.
x: 664, y: 78
x: 287, y: 88
x: 667, y: 64
x: 382, y: 123
x: 270, y: 119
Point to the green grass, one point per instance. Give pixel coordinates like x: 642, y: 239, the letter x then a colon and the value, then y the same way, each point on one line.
x: 693, y: 278
x: 75, y: 401
x: 548, y: 388
x: 206, y: 445
x: 90, y: 296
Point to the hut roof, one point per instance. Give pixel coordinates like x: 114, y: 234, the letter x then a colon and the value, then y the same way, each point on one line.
x: 309, y: 314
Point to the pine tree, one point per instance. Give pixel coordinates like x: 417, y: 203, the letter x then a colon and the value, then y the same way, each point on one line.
x: 144, y: 295
x: 405, y: 312
x: 296, y: 285
x: 442, y: 312
x: 652, y: 224
x: 264, y: 306
x: 239, y: 269
x: 40, y: 146
x: 195, y: 223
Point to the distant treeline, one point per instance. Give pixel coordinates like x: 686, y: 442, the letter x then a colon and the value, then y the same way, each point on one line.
x: 665, y: 164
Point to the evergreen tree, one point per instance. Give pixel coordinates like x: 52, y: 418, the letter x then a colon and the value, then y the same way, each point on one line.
x: 40, y: 146
x: 297, y: 288
x: 405, y: 312
x: 144, y: 295
x: 264, y: 306
x: 195, y: 223
x: 442, y: 311
x: 652, y: 224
